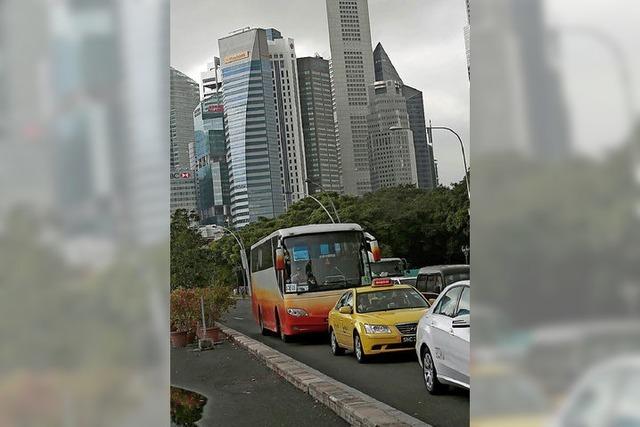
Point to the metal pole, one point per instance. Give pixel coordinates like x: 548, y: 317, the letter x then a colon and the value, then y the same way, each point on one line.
x: 330, y: 198
x: 243, y: 258
x: 464, y: 157
x: 323, y: 207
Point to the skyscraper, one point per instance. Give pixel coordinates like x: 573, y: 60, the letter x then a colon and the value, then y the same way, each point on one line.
x: 393, y: 159
x: 384, y: 70
x: 284, y: 74
x: 318, y: 124
x: 352, y: 68
x: 185, y: 95
x: 251, y: 135
x: 210, y: 161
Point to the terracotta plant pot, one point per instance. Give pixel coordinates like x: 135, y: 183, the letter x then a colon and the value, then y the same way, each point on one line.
x: 178, y: 339
x: 212, y: 333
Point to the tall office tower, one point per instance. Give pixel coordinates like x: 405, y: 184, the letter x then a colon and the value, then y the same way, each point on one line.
x: 185, y: 95
x: 393, y: 157
x: 184, y: 191
x: 352, y: 68
x: 210, y: 161
x: 384, y: 70
x: 318, y: 124
x: 284, y: 72
x: 251, y: 136
x: 211, y: 80
x: 523, y: 83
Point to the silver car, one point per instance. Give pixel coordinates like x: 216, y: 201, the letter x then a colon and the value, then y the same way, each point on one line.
x: 442, y: 340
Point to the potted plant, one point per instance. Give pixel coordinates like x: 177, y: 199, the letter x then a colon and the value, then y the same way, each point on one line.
x: 184, y: 305
x: 217, y: 301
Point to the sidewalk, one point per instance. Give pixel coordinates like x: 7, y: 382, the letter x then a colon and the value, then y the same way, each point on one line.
x: 241, y: 391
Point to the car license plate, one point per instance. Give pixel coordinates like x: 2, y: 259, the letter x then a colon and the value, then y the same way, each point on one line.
x: 411, y: 338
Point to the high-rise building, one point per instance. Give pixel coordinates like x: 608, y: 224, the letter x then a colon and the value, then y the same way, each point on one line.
x: 184, y: 190
x: 523, y: 83
x: 318, y: 124
x: 352, y: 69
x: 251, y: 135
x: 185, y: 95
x: 209, y: 161
x: 284, y: 72
x: 393, y: 158
x: 384, y: 70
x: 211, y: 80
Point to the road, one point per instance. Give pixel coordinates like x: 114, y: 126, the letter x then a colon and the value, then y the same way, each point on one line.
x: 394, y: 379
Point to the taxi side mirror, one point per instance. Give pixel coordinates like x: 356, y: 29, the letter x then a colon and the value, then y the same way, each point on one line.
x: 345, y: 309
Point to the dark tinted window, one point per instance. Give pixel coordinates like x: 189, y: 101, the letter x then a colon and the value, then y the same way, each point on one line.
x: 421, y: 282
x: 464, y: 304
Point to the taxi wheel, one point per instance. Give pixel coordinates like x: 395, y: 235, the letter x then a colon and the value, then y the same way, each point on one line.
x: 358, y: 350
x: 335, y: 348
x: 429, y: 374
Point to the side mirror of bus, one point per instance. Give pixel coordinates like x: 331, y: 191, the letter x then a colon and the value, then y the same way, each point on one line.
x: 279, y: 264
x: 375, y: 250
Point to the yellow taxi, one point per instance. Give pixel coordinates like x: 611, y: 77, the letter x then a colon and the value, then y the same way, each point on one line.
x: 380, y: 318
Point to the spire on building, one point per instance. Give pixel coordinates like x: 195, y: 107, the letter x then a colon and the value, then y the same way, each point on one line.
x: 384, y: 69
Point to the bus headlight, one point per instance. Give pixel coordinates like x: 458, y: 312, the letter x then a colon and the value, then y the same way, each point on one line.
x: 297, y: 312
x: 377, y: 329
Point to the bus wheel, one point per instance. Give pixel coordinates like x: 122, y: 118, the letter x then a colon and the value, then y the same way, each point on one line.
x: 283, y: 336
x: 263, y: 330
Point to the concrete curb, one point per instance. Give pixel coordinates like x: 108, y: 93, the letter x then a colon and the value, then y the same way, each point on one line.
x: 352, y: 405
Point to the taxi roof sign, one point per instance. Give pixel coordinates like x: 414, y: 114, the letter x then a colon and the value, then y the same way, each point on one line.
x: 381, y: 282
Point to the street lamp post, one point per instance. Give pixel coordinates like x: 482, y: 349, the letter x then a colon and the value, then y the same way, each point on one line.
x: 243, y: 258
x: 317, y: 184
x: 465, y: 251
x: 464, y: 157
x: 323, y: 207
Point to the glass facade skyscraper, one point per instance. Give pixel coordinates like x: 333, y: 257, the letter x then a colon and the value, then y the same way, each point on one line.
x: 210, y: 161
x: 252, y: 141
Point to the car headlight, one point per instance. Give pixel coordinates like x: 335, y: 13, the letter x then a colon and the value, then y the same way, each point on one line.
x: 377, y: 329
x: 297, y: 312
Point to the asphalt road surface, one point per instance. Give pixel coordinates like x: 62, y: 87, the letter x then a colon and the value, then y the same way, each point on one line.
x: 394, y: 379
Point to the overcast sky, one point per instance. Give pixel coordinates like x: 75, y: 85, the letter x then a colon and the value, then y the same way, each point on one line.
x: 424, y: 39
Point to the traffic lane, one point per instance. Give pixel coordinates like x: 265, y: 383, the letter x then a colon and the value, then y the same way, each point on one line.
x: 395, y: 379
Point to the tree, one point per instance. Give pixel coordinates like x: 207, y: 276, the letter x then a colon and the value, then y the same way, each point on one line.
x: 425, y: 227
x: 192, y: 263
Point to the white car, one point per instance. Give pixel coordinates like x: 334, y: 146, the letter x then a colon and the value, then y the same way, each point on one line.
x: 607, y: 395
x: 442, y: 339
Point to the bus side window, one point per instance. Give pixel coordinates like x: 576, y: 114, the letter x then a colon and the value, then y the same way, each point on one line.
x: 254, y: 260
x: 421, y: 283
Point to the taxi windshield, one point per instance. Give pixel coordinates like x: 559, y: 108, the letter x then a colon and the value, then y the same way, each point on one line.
x: 389, y: 299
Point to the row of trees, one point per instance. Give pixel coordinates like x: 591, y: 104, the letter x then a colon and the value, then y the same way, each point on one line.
x: 425, y: 227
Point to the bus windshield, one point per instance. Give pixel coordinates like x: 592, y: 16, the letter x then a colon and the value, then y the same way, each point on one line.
x: 322, y: 262
x: 387, y: 268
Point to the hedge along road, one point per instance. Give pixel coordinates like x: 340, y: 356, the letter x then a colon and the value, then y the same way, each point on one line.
x: 395, y: 379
